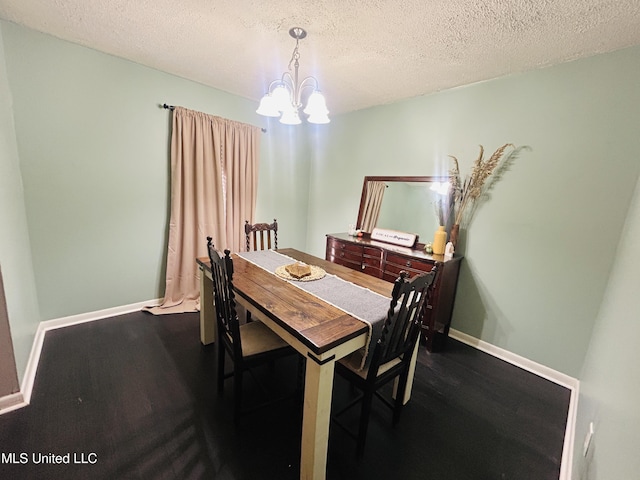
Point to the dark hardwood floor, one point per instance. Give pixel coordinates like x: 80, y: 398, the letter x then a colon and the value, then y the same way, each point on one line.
x: 133, y: 397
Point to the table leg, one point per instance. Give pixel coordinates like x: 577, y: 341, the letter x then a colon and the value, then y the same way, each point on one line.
x: 316, y: 419
x: 207, y: 310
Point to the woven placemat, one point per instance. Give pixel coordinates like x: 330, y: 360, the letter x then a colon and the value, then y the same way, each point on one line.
x: 316, y: 274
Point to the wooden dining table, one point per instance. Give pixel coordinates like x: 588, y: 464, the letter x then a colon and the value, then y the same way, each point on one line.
x: 319, y: 331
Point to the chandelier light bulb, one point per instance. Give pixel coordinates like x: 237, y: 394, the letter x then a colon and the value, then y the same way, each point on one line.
x: 290, y: 118
x: 268, y: 107
x: 318, y: 119
x: 316, y: 105
x: 282, y: 99
x: 284, y: 96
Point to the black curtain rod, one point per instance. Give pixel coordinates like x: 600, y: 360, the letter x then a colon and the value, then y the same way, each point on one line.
x: 172, y: 107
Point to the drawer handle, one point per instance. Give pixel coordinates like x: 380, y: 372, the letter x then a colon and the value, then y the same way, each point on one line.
x: 342, y: 254
x: 408, y: 263
x: 363, y: 266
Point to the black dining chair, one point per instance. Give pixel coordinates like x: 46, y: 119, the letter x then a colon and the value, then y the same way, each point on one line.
x: 248, y: 345
x: 391, y: 356
x: 258, y: 233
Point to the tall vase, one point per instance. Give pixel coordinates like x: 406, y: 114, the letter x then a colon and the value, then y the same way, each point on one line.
x: 439, y: 241
x: 453, y: 236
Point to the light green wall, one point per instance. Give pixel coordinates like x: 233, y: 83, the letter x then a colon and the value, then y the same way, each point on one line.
x: 609, y: 388
x: 538, y: 254
x: 283, y: 187
x: 93, y: 148
x: 15, y: 254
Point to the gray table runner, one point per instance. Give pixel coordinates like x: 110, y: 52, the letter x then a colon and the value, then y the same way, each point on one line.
x: 357, y: 301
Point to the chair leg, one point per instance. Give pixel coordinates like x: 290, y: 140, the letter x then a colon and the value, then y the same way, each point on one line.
x: 398, y: 404
x: 221, y: 355
x: 237, y: 393
x: 364, y: 423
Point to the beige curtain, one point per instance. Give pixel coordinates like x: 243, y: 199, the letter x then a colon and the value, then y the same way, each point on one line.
x: 372, y: 203
x: 214, y: 179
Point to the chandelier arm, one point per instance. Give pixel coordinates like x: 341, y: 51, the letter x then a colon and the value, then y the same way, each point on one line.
x: 273, y: 84
x: 309, y: 82
x: 290, y: 81
x: 287, y: 80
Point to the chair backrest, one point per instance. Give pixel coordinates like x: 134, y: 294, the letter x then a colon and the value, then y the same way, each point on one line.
x: 409, y: 299
x: 261, y: 232
x: 225, y: 304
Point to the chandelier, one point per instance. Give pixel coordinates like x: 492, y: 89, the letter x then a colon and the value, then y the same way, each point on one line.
x: 284, y: 98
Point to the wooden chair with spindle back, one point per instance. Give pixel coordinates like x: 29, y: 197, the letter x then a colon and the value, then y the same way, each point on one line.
x: 256, y: 235
x: 259, y: 232
x: 392, y: 353
x: 248, y: 345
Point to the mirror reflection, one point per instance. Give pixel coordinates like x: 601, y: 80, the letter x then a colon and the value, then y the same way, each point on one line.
x: 406, y: 204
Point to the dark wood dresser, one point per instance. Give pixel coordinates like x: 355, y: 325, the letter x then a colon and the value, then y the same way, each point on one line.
x: 386, y: 261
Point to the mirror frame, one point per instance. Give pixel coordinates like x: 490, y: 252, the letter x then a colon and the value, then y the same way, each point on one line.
x: 421, y: 179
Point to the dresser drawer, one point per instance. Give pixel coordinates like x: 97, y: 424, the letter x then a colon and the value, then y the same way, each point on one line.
x: 343, y: 253
x: 372, y: 261
x: 346, y: 262
x: 344, y: 246
x: 396, y: 263
x: 372, y: 257
x: 373, y: 252
x: 348, y: 255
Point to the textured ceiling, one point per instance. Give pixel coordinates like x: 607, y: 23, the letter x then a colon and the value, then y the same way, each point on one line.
x: 363, y: 53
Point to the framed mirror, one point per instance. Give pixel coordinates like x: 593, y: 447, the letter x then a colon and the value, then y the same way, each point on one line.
x: 406, y: 204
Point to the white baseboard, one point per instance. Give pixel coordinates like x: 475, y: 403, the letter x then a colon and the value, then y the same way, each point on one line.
x: 566, y: 465
x: 26, y: 387
x: 11, y: 402
x: 573, y: 384
x: 97, y: 315
x: 524, y: 363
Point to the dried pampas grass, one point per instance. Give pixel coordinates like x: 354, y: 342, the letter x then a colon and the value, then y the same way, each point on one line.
x: 484, y: 173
